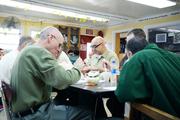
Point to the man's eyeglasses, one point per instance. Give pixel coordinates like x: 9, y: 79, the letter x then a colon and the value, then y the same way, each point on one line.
x: 95, y: 46
x: 60, y: 45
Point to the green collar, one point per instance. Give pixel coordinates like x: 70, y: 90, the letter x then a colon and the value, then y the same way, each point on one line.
x: 150, y: 46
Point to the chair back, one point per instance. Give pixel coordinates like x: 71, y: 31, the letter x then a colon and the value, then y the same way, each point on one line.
x: 7, y: 93
x: 150, y: 111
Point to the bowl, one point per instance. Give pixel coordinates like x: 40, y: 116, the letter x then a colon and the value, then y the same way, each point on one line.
x: 92, y: 80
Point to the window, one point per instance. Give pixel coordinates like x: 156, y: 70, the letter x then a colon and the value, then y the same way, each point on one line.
x: 160, y: 37
x: 35, y: 34
x: 9, y: 38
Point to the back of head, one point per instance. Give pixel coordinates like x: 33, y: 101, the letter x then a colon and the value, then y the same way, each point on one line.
x: 74, y: 50
x: 137, y: 32
x: 137, y: 41
x: 1, y: 49
x: 24, y: 41
x: 73, y: 54
x: 1, y: 52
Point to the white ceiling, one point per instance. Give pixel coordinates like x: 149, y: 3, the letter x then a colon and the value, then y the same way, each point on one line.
x: 118, y: 11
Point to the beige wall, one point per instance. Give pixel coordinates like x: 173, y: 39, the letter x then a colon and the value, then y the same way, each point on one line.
x: 27, y: 26
x: 108, y: 33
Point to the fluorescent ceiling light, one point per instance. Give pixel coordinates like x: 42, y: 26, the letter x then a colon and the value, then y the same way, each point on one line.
x: 155, y: 3
x: 174, y: 30
x: 42, y: 9
x: 170, y: 30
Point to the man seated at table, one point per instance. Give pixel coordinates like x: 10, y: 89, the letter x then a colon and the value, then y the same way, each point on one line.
x: 150, y: 76
x: 74, y: 56
x: 101, y: 53
x: 63, y: 58
x: 98, y: 45
x: 1, y: 53
x: 7, y: 61
x: 34, y: 73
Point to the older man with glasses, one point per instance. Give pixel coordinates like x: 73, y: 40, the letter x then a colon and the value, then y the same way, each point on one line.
x: 101, y: 54
x: 98, y: 45
x: 35, y: 72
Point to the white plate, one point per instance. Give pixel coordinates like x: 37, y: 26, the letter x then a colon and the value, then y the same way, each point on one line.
x: 93, y: 73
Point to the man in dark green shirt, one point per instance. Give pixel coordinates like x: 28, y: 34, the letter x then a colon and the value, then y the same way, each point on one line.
x: 35, y: 72
x: 152, y: 75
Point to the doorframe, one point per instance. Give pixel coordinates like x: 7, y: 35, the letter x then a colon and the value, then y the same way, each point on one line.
x: 114, y: 37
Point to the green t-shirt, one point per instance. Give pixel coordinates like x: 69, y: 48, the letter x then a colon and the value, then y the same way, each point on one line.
x: 152, y: 74
x: 34, y: 74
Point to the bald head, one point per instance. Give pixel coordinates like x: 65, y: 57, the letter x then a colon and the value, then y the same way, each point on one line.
x: 98, y: 45
x: 50, y: 31
x: 97, y: 40
x: 51, y: 39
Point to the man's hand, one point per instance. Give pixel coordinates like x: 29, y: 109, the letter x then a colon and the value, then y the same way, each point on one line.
x: 106, y: 65
x: 85, y: 69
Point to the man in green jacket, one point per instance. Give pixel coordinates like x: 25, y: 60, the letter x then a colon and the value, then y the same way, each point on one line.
x: 35, y: 72
x: 152, y: 75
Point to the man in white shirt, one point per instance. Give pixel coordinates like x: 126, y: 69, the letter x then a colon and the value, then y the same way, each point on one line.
x: 63, y: 57
x: 8, y: 59
x: 1, y: 53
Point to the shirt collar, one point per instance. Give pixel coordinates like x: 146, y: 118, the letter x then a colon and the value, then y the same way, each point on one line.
x: 152, y: 45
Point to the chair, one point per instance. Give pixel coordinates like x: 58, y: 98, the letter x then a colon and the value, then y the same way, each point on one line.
x: 150, y: 111
x: 7, y: 93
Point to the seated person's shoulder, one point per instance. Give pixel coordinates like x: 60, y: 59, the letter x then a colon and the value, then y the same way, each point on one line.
x: 112, y: 53
x: 148, y: 53
x: 35, y: 51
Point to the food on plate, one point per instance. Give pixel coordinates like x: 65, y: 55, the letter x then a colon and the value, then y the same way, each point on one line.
x: 92, y: 78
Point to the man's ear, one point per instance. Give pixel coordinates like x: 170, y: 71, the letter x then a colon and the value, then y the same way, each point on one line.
x: 49, y: 39
x: 129, y: 54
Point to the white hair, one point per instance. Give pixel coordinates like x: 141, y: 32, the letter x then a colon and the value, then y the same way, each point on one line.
x: 48, y: 30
